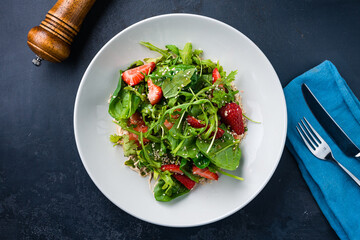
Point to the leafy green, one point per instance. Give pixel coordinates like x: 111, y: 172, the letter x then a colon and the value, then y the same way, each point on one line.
x: 221, y: 97
x: 171, y: 87
x: 129, y: 146
x: 149, y: 155
x: 176, y: 190
x: 187, y: 87
x: 156, y: 49
x: 155, y: 60
x: 201, y: 161
x: 186, y: 54
x: 124, y: 102
x: 136, y: 64
x: 173, y: 48
x: 115, y: 138
x: 186, y: 168
x: 224, y: 153
x: 214, y: 168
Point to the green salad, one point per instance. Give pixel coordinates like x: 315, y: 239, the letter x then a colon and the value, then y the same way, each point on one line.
x: 179, y: 118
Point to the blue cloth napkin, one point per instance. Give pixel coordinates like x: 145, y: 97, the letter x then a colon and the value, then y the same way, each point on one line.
x: 336, y: 193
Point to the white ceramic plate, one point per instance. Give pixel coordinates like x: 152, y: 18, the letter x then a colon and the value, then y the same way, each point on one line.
x: 263, y: 101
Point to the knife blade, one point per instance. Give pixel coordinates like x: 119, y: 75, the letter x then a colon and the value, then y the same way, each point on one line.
x: 329, y: 124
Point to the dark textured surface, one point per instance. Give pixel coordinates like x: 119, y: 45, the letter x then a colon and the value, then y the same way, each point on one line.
x: 45, y: 192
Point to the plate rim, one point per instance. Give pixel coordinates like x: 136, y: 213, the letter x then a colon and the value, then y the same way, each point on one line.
x: 83, y: 81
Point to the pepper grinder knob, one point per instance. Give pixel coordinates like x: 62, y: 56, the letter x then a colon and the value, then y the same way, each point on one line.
x: 37, y: 61
x: 52, y: 39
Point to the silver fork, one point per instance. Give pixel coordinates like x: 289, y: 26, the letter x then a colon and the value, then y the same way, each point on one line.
x: 318, y: 146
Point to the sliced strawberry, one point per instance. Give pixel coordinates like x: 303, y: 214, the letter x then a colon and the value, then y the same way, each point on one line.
x: 138, y: 125
x: 215, y: 75
x: 171, y: 168
x: 176, y: 116
x: 168, y: 124
x: 195, y: 123
x: 231, y: 114
x: 206, y: 173
x: 187, y: 182
x: 155, y: 93
x: 219, y: 133
x: 135, y: 75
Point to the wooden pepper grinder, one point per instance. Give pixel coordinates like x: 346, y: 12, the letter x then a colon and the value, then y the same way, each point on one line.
x: 52, y: 39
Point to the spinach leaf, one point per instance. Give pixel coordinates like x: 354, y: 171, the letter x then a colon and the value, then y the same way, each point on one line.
x: 201, y: 161
x: 225, y: 152
x: 176, y: 190
x: 124, y: 102
x: 171, y: 87
x: 188, y: 148
x: 186, y: 54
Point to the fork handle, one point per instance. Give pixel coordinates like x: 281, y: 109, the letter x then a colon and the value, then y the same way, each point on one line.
x: 348, y: 173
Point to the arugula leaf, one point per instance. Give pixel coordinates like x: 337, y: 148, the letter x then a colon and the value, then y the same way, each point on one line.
x: 173, y: 48
x: 231, y: 77
x: 156, y: 49
x: 198, y: 52
x: 224, y: 153
x: 220, y: 97
x: 154, y: 60
x: 186, y: 168
x: 186, y: 54
x: 135, y: 64
x: 214, y: 168
x: 176, y: 190
x: 149, y: 155
x: 207, y: 66
x: 171, y: 87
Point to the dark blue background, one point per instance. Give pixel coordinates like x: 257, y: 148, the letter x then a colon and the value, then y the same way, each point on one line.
x: 45, y: 192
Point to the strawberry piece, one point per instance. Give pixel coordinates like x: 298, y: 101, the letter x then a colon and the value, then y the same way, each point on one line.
x: 195, y: 123
x: 206, y: 173
x: 168, y: 124
x: 135, y: 75
x: 155, y: 92
x: 219, y: 133
x: 187, y: 182
x: 171, y: 168
x: 176, y: 116
x: 231, y: 114
x: 215, y: 75
x: 138, y: 125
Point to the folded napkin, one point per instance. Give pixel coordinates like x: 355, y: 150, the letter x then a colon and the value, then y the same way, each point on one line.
x: 336, y: 193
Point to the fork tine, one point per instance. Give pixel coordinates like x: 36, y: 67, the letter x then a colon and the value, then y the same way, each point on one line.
x: 312, y: 136
x: 307, y: 136
x: 316, y: 134
x: 305, y: 141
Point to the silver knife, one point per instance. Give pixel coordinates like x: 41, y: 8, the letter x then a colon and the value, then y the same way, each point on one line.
x: 328, y: 123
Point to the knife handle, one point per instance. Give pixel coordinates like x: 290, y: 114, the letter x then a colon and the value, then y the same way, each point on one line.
x: 52, y: 39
